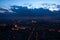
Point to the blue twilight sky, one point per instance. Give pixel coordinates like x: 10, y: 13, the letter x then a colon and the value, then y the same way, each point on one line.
x: 35, y: 3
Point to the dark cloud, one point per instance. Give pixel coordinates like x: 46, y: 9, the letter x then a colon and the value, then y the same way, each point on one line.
x: 2, y: 9
x: 58, y: 6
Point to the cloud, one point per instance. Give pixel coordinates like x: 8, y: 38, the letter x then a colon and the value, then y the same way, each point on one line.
x: 58, y: 6
x: 2, y: 10
x: 51, y: 7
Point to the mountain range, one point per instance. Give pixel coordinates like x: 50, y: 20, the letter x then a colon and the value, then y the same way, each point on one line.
x: 21, y: 11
